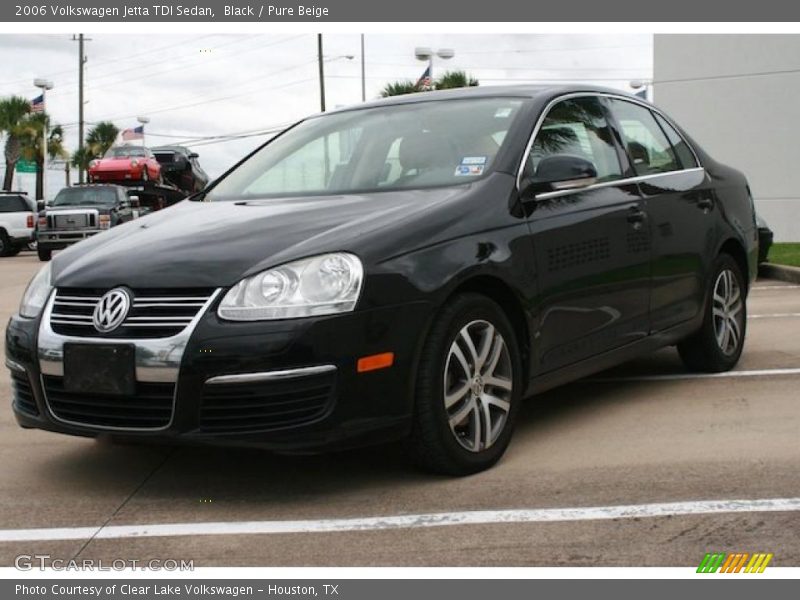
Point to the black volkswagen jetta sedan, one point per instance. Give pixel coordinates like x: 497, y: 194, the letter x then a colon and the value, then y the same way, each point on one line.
x: 405, y: 269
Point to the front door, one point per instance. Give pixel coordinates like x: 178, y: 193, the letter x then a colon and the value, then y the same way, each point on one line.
x: 592, y: 246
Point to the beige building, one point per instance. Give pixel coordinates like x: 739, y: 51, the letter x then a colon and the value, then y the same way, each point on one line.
x: 739, y: 97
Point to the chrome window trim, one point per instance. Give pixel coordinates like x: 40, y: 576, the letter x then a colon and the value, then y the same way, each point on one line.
x: 602, y: 184
x: 271, y: 375
x: 570, y: 95
x: 158, y: 360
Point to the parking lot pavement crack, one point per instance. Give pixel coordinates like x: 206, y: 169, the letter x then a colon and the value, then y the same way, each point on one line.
x: 127, y: 499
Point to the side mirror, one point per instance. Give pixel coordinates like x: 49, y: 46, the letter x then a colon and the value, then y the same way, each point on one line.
x: 194, y: 155
x: 558, y: 173
x: 134, y: 202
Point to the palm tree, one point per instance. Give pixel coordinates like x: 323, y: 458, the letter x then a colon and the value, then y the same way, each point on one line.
x: 31, y: 141
x: 398, y: 88
x: 455, y: 79
x: 99, y: 139
x: 13, y: 111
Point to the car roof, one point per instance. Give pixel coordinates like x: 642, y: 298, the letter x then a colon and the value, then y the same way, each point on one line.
x: 170, y: 148
x: 12, y: 193
x: 528, y: 91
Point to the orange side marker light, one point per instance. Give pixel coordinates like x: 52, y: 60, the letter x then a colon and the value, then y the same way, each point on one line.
x: 375, y: 362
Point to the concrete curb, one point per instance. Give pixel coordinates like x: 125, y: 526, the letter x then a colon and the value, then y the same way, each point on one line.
x: 779, y: 272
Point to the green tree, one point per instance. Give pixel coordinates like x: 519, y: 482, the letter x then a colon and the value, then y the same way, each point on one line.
x: 454, y: 79
x: 13, y: 111
x: 31, y: 142
x: 99, y: 139
x: 399, y: 88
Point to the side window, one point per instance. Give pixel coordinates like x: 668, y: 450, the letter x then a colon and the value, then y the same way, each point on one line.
x: 9, y: 204
x: 685, y: 154
x: 577, y: 127
x: 647, y: 146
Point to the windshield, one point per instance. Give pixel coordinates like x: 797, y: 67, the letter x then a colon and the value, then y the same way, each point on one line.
x: 417, y: 145
x: 125, y: 152
x: 85, y: 197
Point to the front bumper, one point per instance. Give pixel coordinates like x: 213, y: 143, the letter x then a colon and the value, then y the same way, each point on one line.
x: 295, y: 361
x: 58, y: 239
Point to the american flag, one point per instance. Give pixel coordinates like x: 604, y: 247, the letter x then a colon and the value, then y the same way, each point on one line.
x: 424, y: 82
x: 136, y: 133
x: 37, y: 104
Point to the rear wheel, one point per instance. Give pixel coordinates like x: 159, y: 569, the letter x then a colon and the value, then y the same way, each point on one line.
x: 468, y: 388
x: 718, y: 344
x: 5, y: 244
x: 45, y: 254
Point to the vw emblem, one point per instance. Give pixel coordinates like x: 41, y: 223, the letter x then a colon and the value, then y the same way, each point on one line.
x: 111, y: 310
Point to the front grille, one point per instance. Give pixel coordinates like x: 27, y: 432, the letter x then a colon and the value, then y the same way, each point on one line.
x: 153, y: 313
x: 150, y: 408
x: 265, y: 405
x: 23, y: 393
x: 74, y: 221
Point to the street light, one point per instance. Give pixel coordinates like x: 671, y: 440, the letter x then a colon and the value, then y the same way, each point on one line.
x: 424, y: 53
x: 144, y: 121
x: 44, y: 85
x: 638, y: 84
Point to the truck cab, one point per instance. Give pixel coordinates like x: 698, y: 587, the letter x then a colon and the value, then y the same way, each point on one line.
x: 82, y: 211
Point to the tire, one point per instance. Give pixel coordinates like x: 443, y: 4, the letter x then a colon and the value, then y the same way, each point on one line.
x: 467, y: 446
x: 718, y: 344
x: 5, y: 244
x: 45, y: 254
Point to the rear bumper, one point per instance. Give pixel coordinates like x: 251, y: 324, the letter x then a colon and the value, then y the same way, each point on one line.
x: 285, y: 385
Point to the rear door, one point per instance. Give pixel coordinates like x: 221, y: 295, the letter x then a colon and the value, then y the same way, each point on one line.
x: 591, y: 245
x: 680, y: 204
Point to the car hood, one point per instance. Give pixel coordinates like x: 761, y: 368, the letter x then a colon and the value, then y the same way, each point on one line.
x: 115, y: 163
x: 212, y: 244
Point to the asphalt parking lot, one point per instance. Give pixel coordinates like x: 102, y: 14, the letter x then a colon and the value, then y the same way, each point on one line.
x: 641, y: 434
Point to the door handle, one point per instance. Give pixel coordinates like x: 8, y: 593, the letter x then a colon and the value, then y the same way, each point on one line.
x: 636, y: 215
x: 705, y: 204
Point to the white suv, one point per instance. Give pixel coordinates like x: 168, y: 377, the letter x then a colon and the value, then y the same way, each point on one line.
x: 17, y: 222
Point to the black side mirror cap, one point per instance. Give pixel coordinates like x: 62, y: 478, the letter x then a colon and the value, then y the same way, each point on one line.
x: 561, y: 172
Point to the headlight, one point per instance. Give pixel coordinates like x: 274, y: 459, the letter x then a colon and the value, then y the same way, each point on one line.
x: 320, y: 285
x: 36, y: 294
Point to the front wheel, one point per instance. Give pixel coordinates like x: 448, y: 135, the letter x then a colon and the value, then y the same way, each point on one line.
x: 45, y: 254
x: 717, y: 346
x: 468, y: 388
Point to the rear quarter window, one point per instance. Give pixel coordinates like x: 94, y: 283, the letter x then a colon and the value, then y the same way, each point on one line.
x: 9, y: 204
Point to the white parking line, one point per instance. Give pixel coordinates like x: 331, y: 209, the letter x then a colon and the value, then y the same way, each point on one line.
x: 775, y: 287
x: 477, y: 517
x: 775, y: 316
x: 675, y: 376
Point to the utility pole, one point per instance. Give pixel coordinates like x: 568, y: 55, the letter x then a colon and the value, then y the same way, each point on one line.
x: 363, y: 73
x: 321, y: 73
x: 81, y: 62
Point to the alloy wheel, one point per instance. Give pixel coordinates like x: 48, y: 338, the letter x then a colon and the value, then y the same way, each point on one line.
x: 478, y: 385
x: 728, y: 312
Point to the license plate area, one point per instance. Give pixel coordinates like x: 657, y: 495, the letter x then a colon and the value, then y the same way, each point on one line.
x: 100, y: 369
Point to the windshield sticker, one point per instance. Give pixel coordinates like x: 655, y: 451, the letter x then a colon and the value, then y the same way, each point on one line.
x: 473, y: 160
x: 468, y: 170
x: 503, y: 113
